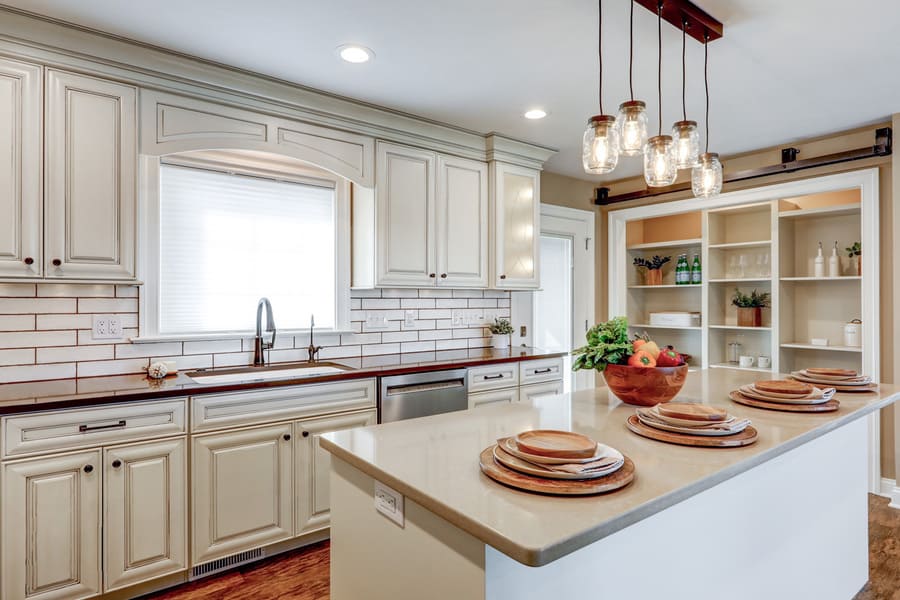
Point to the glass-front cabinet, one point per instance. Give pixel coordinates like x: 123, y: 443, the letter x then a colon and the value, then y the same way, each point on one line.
x: 516, y: 214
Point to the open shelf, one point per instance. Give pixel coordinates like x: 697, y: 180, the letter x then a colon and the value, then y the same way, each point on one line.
x: 739, y: 368
x: 842, y: 278
x: 841, y: 209
x: 667, y: 286
x: 681, y: 327
x: 755, y: 244
x: 739, y: 328
x: 668, y: 244
x: 800, y: 346
x: 744, y: 280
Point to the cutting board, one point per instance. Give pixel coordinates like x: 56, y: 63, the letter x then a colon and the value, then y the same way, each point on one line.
x: 830, y: 406
x: 744, y: 438
x: 556, y: 487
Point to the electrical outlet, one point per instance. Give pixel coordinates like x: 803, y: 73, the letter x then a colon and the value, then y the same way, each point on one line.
x: 409, y: 318
x: 456, y: 318
x: 106, y: 327
x: 389, y: 502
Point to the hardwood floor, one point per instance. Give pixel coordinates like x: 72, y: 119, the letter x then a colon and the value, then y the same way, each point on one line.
x: 303, y: 574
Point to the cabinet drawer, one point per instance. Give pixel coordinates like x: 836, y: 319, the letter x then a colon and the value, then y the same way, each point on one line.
x: 220, y: 411
x: 529, y: 393
x: 507, y: 396
x: 91, y: 427
x: 493, y: 377
x: 536, y: 371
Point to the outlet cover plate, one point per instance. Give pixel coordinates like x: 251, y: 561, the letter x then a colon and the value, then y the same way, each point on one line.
x: 106, y: 327
x: 389, y: 502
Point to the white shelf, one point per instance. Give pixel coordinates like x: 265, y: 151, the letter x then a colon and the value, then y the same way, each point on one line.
x: 757, y: 244
x: 738, y: 367
x: 742, y: 280
x: 843, y: 278
x: 682, y: 327
x: 826, y: 348
x: 739, y: 328
x: 668, y: 286
x: 668, y: 244
x: 827, y: 211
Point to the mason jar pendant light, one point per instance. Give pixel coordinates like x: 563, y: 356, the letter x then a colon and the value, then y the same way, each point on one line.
x: 659, y: 151
x: 600, y: 145
x: 706, y: 177
x: 632, y: 119
x: 684, y: 132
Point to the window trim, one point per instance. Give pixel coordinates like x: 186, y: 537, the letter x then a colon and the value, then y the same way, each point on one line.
x: 244, y: 164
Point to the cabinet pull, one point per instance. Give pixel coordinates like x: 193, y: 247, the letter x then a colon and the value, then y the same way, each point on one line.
x: 287, y: 437
x: 56, y: 262
x: 432, y: 275
x: 443, y: 276
x: 503, y: 277
x: 89, y: 428
x: 497, y: 376
x: 305, y: 434
x: 542, y: 371
x: 116, y: 464
x: 88, y: 468
x: 28, y: 261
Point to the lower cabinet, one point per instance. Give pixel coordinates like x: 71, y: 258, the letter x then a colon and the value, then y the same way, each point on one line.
x: 242, y: 490
x: 51, y: 527
x: 535, y: 391
x: 504, y: 396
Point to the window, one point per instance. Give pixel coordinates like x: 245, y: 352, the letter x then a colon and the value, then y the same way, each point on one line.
x: 228, y: 238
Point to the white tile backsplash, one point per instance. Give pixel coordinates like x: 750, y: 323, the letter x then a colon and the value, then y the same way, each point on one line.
x: 45, y: 331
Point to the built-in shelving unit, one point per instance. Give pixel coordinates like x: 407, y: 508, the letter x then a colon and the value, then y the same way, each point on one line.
x: 666, y: 244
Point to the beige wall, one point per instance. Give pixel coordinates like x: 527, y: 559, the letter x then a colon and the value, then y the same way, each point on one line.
x: 576, y: 193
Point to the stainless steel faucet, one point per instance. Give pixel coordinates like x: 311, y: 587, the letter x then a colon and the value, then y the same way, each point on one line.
x: 259, y: 358
x: 312, y: 348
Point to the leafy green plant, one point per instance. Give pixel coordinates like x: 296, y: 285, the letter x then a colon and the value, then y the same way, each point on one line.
x: 653, y: 264
x: 501, y: 327
x: 854, y: 250
x: 752, y: 300
x: 607, y: 344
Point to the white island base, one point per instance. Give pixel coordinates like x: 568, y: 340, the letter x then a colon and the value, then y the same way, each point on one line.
x: 793, y: 527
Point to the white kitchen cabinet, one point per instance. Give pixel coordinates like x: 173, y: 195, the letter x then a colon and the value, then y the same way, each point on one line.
x: 527, y: 393
x: 145, y: 516
x: 20, y: 169
x: 504, y: 396
x: 516, y: 226
x: 242, y: 490
x: 461, y: 223
x: 313, y: 467
x: 51, y: 527
x: 91, y: 166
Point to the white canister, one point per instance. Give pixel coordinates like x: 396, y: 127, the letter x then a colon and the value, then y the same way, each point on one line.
x: 853, y: 333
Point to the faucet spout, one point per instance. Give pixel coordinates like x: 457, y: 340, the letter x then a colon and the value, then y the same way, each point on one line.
x: 312, y: 349
x: 259, y: 346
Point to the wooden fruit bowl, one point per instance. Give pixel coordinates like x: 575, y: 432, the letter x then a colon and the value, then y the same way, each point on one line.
x: 645, y: 386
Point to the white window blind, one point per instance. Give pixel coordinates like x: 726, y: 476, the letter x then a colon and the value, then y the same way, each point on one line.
x: 227, y: 240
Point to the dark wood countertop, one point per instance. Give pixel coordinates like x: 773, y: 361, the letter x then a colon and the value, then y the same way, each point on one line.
x: 92, y: 391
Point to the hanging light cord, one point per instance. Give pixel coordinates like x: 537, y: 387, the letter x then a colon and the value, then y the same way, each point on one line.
x: 659, y: 61
x: 683, y: 69
x: 706, y: 84
x: 600, y: 51
x: 631, y: 53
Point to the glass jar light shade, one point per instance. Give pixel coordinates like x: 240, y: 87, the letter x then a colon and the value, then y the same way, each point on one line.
x: 659, y: 161
x: 600, y: 148
x: 632, y: 123
x: 706, y: 178
x: 687, y: 144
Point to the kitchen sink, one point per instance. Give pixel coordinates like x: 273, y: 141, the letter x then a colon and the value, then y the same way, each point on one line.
x: 266, y: 373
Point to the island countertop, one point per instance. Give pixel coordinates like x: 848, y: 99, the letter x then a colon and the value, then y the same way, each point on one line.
x: 434, y: 462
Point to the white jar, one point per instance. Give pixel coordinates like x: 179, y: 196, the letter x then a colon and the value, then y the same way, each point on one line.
x: 853, y: 333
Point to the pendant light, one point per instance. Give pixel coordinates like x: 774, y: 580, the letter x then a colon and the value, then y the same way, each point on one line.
x: 600, y: 145
x: 632, y: 119
x: 659, y: 151
x: 684, y: 132
x: 706, y: 177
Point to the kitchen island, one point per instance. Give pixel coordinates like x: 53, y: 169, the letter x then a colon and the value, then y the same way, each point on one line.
x: 783, y: 518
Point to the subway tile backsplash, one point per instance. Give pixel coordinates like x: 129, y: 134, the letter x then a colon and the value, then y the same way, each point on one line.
x: 45, y: 330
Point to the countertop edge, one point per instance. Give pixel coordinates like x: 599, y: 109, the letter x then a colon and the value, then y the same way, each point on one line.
x: 538, y: 557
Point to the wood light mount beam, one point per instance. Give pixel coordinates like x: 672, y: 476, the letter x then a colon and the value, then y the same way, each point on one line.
x: 789, y: 164
x: 699, y: 22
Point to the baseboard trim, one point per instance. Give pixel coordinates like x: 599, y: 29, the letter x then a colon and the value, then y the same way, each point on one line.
x: 889, y: 489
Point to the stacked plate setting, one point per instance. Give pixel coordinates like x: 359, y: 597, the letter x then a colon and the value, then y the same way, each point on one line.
x: 786, y: 391
x: 691, y: 419
x: 844, y: 380
x: 550, y: 454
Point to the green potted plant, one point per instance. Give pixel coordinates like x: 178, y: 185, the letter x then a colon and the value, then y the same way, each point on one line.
x: 855, y: 251
x: 749, y: 307
x: 653, y: 266
x: 500, y: 332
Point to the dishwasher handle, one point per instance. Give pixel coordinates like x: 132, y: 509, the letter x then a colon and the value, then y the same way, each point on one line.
x: 414, y: 388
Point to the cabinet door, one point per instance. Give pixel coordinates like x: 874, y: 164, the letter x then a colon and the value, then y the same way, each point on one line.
x: 20, y: 169
x: 314, y: 467
x: 145, y: 523
x: 536, y: 391
x: 517, y: 229
x: 461, y: 223
x: 242, y: 490
x: 51, y: 527
x: 505, y: 396
x: 91, y: 185
x: 404, y: 223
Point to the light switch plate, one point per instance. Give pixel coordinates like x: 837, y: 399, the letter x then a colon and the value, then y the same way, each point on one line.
x: 376, y: 321
x: 409, y: 318
x: 389, y: 502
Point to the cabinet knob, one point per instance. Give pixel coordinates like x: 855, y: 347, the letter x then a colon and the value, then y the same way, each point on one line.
x: 56, y: 262
x: 503, y: 277
x: 305, y: 434
x: 28, y: 260
x: 116, y: 464
x: 432, y: 275
x: 287, y: 437
x: 88, y: 468
x: 443, y: 276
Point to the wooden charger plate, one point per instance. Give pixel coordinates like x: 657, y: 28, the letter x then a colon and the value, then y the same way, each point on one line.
x: 555, y: 443
x: 744, y: 438
x: 556, y: 487
x: 830, y: 406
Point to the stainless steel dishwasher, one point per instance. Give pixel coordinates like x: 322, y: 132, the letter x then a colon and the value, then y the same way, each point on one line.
x: 421, y: 394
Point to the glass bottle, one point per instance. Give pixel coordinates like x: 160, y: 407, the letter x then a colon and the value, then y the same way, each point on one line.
x: 696, y: 272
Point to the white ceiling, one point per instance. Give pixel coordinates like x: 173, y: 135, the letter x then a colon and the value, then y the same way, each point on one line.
x: 785, y: 70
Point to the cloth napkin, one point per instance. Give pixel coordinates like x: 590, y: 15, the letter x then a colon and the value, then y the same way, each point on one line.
x: 732, y: 424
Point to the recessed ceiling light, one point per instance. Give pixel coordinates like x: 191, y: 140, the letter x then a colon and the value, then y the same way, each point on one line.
x: 354, y: 53
x: 535, y: 113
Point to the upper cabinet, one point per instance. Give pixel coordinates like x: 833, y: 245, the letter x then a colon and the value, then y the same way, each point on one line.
x: 431, y: 215
x: 91, y: 178
x: 516, y: 220
x: 20, y: 169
